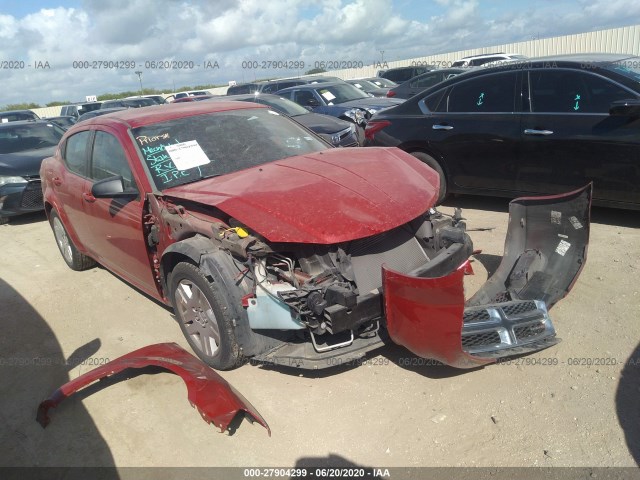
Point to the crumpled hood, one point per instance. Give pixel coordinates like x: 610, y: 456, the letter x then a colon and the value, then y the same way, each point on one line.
x: 24, y: 164
x: 326, y: 197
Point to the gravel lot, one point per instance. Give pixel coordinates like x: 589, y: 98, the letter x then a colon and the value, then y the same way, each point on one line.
x: 575, y: 404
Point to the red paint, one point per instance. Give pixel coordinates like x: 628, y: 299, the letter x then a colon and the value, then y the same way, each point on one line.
x: 425, y: 316
x: 340, y: 195
x: 215, y: 399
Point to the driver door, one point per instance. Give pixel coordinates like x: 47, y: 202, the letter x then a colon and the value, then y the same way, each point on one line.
x: 117, y: 239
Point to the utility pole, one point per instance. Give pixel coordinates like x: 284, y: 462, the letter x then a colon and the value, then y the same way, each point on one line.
x: 139, y: 73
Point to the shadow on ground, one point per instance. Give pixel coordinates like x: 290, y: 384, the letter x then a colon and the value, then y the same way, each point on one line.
x: 32, y: 366
x: 628, y: 403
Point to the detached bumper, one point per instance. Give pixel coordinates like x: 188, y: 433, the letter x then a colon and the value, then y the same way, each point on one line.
x: 545, y: 251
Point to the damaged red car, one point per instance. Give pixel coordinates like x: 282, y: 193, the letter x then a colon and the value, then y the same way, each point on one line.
x: 270, y: 244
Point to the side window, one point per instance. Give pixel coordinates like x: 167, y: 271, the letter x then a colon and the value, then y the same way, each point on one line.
x: 427, y: 81
x: 271, y: 87
x: 434, y: 101
x: 109, y: 160
x: 566, y: 91
x: 303, y: 97
x: 488, y: 93
x: 75, y: 152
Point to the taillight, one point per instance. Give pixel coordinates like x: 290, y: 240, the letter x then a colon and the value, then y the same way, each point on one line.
x: 373, y: 127
x: 391, y: 93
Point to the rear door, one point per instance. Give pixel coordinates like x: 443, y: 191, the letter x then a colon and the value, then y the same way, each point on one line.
x: 569, y: 138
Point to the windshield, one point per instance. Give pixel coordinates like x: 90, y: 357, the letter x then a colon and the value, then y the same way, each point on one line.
x: 383, y: 82
x: 336, y: 94
x: 281, y: 104
x: 364, y: 85
x: 20, y: 138
x: 629, y: 67
x: 189, y: 149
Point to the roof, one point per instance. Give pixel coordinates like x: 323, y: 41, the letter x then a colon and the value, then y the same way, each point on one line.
x: 313, y: 85
x: 137, y: 117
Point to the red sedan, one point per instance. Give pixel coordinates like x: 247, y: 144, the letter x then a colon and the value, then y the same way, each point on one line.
x: 269, y: 244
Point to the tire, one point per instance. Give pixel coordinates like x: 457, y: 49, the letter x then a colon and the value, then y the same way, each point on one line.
x: 72, y: 257
x: 433, y: 163
x: 204, y: 316
x: 4, y: 220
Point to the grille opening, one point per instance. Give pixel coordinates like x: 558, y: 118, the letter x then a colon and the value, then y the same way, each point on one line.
x: 523, y: 332
x: 476, y: 316
x: 480, y: 339
x: 518, y: 308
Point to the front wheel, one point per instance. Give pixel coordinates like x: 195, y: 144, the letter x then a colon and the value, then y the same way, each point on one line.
x: 71, y: 255
x: 433, y: 163
x: 203, y: 313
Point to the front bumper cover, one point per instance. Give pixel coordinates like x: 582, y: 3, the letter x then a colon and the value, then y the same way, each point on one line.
x: 545, y: 251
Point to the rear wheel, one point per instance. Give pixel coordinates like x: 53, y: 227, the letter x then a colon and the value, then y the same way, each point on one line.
x: 73, y: 258
x: 203, y: 313
x: 433, y: 163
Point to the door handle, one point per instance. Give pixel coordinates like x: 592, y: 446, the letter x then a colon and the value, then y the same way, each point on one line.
x: 442, y: 127
x: 57, y: 181
x: 531, y: 131
x: 88, y: 197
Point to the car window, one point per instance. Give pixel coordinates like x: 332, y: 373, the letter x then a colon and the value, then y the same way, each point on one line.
x: 31, y: 136
x: 488, y: 93
x: 427, y: 80
x: 566, y: 91
x: 189, y: 149
x: 434, y: 102
x: 481, y: 61
x: 303, y: 97
x: 271, y: 87
x: 75, y: 154
x: 109, y: 159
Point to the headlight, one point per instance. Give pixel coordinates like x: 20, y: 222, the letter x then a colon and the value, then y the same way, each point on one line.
x: 371, y: 110
x: 355, y: 114
x: 7, y: 180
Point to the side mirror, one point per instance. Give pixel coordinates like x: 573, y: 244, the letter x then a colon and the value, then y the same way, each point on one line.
x: 111, y: 187
x: 312, y: 102
x: 627, y: 108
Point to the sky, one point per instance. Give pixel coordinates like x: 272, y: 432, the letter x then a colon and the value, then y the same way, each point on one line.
x: 47, y: 45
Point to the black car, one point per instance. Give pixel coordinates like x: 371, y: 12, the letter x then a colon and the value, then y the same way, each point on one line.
x: 338, y: 133
x: 23, y: 146
x: 17, y: 115
x: 99, y: 112
x: 402, y: 74
x: 417, y: 84
x: 368, y: 87
x: 541, y: 126
x: 338, y: 99
x: 64, y: 121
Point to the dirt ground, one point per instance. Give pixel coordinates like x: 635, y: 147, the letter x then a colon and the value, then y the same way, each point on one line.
x: 574, y: 404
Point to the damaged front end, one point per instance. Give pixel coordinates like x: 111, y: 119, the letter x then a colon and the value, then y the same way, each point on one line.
x: 339, y: 301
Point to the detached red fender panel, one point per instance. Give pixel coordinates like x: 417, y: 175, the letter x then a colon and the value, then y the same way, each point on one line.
x: 215, y: 399
x: 545, y: 251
